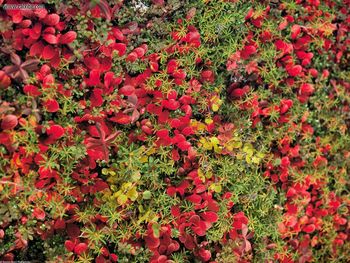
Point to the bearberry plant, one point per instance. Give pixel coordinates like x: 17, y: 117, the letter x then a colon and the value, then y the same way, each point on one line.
x: 173, y: 131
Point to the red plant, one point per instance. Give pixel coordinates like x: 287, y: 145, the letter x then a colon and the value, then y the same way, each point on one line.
x: 100, y: 145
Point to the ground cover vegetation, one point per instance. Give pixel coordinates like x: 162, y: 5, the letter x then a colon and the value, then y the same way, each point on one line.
x: 175, y: 131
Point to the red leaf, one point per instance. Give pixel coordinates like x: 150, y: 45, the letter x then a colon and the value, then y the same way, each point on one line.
x: 283, y: 25
x: 60, y: 224
x: 158, y: 2
x: 309, y: 228
x: 55, y: 61
x: 106, y: 64
x: 120, y: 47
x: 127, y: 90
x: 118, y: 34
x: 35, y: 32
x: 135, y: 115
x: 239, y: 219
x: 284, y: 47
x: 51, y: 39
x: 175, y: 211
x: 172, y: 66
x: 152, y: 242
x: 9, y: 122
x: 40, y: 12
x: 199, y: 228
x: 248, y: 51
x: 68, y: 37
x: 196, y: 199
x: 295, y: 31
x: 96, y: 98
x: 163, y: 133
x: 285, y: 105
x: 113, y: 257
x: 172, y: 94
x: 41, y: 183
x: 179, y: 74
x: 55, y: 131
x: 39, y: 213
x: 5, y: 80
x: 100, y: 186
x: 36, y: 49
x: 204, y: 254
x: 109, y: 80
x: 132, y: 57
x: 105, y: 9
x: 291, y: 192
x: 207, y: 76
x: 51, y: 20
x: 175, y: 155
x: 48, y: 52
x: 80, y: 248
x: 304, y: 55
x: 171, y: 191
x: 121, y: 118
x: 306, y: 89
x: 171, y: 104
x: 73, y: 230
x: 94, y: 78
x: 92, y: 63
x: 69, y: 245
x: 210, y: 217
x: 184, y: 145
x: 239, y: 92
x: 294, y: 70
x: 51, y: 105
x: 140, y: 52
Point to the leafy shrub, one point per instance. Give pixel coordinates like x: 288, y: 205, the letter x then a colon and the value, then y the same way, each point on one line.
x: 174, y: 131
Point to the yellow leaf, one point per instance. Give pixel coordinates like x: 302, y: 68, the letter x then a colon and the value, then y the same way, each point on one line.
x: 208, y: 121
x: 217, y: 149
x: 198, y: 125
x: 144, y: 217
x: 233, y: 144
x: 144, y: 159
x: 239, y: 156
x: 32, y: 121
x: 201, y: 175
x: 217, y: 188
x: 214, y: 141
x: 201, y: 126
x: 117, y: 194
x: 112, y: 180
x: 255, y: 160
x: 141, y: 210
x: 248, y: 149
x: 126, y: 185
x: 248, y: 159
x: 237, y: 144
x: 151, y: 151
x: 132, y: 194
x: 260, y: 154
x: 207, y: 145
x: 209, y: 175
x: 215, y: 107
x: 136, y: 176
x: 122, y: 199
